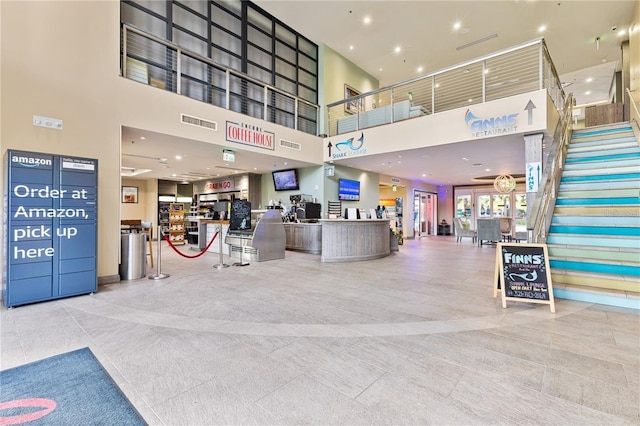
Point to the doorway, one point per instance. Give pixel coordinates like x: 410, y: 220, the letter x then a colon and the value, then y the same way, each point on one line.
x: 425, y: 213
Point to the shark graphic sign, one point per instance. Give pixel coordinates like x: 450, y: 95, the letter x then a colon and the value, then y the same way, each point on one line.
x: 347, y: 148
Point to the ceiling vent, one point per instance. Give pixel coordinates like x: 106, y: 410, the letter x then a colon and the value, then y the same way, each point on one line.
x: 198, y: 122
x: 478, y: 41
x: 290, y: 145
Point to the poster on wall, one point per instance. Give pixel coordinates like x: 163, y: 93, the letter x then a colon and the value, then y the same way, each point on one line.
x: 51, y: 217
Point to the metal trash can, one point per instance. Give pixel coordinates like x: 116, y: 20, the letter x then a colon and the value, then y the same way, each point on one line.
x: 133, y: 248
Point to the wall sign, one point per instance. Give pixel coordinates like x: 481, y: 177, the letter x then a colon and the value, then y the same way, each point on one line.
x: 523, y: 274
x: 51, y: 217
x: 249, y: 134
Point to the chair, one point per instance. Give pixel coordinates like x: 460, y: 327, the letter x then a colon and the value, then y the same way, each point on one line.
x: 462, y: 230
x: 505, y: 229
x: 489, y: 231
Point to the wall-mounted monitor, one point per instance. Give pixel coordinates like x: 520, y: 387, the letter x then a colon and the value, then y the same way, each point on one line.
x: 348, y: 190
x: 286, y: 180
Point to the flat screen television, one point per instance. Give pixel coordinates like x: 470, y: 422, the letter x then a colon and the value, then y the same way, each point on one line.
x: 286, y: 180
x: 348, y: 190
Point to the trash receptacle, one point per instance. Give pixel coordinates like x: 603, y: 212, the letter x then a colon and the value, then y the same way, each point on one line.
x: 133, y: 256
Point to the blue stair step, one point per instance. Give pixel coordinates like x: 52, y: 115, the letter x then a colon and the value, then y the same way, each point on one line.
x: 600, y: 132
x: 595, y: 230
x: 596, y: 220
x: 598, y: 201
x: 608, y: 164
x: 618, y: 184
x: 612, y: 154
x: 601, y: 268
x: 613, y: 176
x: 597, y: 241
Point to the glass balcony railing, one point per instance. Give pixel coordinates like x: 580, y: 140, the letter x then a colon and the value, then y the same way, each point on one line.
x: 519, y: 69
x: 162, y: 64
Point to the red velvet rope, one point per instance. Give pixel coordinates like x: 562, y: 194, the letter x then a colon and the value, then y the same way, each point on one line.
x: 194, y: 256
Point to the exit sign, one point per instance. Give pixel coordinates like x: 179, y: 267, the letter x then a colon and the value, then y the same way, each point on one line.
x: 228, y: 155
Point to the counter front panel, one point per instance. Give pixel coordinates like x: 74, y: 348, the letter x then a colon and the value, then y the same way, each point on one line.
x: 352, y: 240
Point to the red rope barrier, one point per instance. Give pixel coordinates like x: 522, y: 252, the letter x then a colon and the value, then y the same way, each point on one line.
x: 194, y: 256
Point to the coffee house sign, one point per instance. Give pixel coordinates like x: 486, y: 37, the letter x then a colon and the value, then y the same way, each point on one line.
x: 249, y: 134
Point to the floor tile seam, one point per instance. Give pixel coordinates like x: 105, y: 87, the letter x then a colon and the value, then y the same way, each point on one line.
x: 103, y: 356
x: 212, y: 325
x: 618, y: 386
x: 453, y: 397
x: 548, y: 358
x: 520, y: 389
x: 583, y: 402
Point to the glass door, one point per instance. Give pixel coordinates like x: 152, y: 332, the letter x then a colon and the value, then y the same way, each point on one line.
x: 463, y: 209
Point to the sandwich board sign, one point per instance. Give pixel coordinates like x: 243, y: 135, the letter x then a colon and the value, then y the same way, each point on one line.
x: 522, y: 274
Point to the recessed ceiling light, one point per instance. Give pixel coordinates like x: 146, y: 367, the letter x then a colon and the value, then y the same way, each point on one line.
x: 420, y: 69
x: 589, y: 80
x: 174, y: 175
x: 285, y: 163
x: 465, y: 159
x: 542, y: 28
x: 380, y: 69
x: 351, y: 47
x: 486, y: 71
x: 588, y: 92
x: 178, y: 157
x: 621, y: 33
x: 142, y: 138
x: 487, y: 170
x: 470, y: 100
x: 366, y: 20
x: 437, y: 85
x: 397, y: 49
x: 457, y: 25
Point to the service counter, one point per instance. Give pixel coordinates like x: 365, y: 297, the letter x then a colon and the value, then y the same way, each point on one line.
x: 345, y: 240
x: 207, y: 228
x: 304, y: 237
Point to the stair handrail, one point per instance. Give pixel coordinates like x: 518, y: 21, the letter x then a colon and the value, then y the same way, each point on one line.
x: 539, y: 219
x: 635, y: 115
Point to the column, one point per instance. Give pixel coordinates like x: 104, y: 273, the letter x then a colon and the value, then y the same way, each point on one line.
x: 533, y: 166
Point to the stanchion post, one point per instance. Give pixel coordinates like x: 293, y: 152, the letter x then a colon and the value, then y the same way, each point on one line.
x: 158, y: 275
x: 221, y: 264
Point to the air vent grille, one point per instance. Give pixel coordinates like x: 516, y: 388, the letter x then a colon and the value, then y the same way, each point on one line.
x: 199, y: 122
x: 290, y: 145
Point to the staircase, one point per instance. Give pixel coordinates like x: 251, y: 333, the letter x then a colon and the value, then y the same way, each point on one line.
x: 594, y: 238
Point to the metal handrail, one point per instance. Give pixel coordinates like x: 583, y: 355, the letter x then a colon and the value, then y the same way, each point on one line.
x: 635, y: 116
x: 441, y: 71
x: 426, y: 93
x: 541, y: 214
x: 228, y: 71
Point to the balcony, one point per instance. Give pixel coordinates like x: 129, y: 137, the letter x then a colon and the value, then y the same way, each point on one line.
x: 164, y: 65
x: 519, y: 69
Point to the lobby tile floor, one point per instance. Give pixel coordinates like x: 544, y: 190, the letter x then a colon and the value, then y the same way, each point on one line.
x: 412, y: 339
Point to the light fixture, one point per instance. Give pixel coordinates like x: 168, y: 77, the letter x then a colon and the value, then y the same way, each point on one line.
x: 394, y: 188
x: 597, y: 43
x: 397, y: 49
x: 351, y: 47
x: 542, y: 28
x: 457, y: 25
x: 178, y: 157
x: 589, y: 80
x: 366, y: 20
x: 504, y: 184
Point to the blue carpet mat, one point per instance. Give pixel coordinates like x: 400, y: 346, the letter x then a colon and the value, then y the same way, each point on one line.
x: 67, y: 389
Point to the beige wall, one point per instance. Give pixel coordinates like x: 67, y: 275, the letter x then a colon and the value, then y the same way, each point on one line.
x: 60, y: 59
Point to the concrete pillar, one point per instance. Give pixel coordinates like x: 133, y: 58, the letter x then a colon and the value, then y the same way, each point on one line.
x: 533, y: 166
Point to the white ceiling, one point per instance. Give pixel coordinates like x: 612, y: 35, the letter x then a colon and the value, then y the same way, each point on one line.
x: 424, y: 31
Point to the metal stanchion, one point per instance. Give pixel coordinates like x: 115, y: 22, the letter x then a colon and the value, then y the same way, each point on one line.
x: 221, y: 264
x: 158, y: 275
